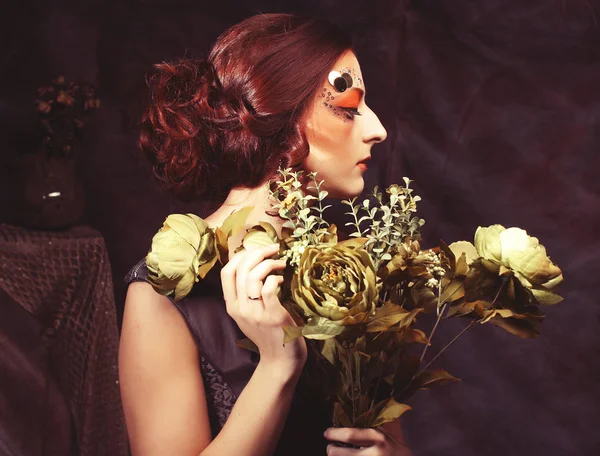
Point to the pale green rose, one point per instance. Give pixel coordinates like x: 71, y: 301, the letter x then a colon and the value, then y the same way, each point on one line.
x: 336, y: 284
x: 487, y: 242
x: 183, y: 250
x: 514, y: 249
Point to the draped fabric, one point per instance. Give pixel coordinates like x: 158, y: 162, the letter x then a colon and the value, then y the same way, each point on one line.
x: 492, y: 108
x: 59, y: 343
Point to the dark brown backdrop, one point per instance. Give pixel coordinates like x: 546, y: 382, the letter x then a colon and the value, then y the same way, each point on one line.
x: 492, y: 107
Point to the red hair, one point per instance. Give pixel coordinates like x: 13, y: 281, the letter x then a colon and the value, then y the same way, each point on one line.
x: 233, y: 119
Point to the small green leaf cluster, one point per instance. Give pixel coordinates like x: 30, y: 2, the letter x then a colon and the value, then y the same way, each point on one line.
x: 390, y: 220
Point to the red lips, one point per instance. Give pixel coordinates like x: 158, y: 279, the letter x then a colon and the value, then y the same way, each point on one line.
x: 363, y: 163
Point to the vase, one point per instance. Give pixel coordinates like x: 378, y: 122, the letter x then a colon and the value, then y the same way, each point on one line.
x: 52, y: 192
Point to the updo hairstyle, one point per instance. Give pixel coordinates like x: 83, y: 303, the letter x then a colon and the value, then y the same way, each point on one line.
x: 231, y: 120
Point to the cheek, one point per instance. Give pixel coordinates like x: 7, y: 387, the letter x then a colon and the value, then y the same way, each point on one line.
x: 331, y: 136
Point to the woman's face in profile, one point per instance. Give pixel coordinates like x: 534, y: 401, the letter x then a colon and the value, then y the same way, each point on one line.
x: 341, y: 129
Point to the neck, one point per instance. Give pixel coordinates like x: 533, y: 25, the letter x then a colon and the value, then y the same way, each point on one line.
x: 241, y: 197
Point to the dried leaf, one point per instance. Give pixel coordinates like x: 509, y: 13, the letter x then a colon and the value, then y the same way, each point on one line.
x: 462, y: 266
x: 329, y: 350
x: 407, y: 367
x: 354, y: 243
x: 386, y: 316
x: 261, y: 235
x: 410, y: 318
x: 414, y: 336
x: 545, y: 297
x: 502, y: 313
x: 322, y: 332
x: 431, y: 378
x: 447, y: 255
x: 453, y: 291
x: 230, y: 227
x: 390, y: 412
x: 340, y: 417
x: 291, y: 333
x: 247, y: 344
x: 424, y: 298
x: 524, y: 328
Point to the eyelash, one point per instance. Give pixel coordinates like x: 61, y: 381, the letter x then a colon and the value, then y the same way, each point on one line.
x: 351, y: 112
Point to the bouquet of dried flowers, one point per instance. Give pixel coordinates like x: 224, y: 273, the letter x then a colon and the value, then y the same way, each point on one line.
x: 62, y: 106
x: 357, y: 300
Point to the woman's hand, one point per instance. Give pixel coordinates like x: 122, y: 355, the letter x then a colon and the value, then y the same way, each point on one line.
x: 250, y: 292
x: 373, y: 442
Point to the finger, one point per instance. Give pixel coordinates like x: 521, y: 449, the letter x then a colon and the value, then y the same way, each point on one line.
x: 229, y: 280
x: 333, y: 450
x: 258, y: 275
x: 269, y: 294
x: 356, y: 436
x: 250, y: 260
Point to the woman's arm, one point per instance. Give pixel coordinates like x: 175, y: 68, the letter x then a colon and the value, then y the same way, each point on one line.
x: 161, y: 383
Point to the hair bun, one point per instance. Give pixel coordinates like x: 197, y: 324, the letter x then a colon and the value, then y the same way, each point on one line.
x: 177, y: 131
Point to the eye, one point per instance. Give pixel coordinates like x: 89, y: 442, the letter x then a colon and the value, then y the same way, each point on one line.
x: 350, y: 112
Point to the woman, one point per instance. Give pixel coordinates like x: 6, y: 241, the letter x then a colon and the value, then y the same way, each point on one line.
x: 276, y: 91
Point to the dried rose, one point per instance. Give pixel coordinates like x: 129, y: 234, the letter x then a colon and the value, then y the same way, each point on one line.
x: 335, y: 285
x: 183, y: 250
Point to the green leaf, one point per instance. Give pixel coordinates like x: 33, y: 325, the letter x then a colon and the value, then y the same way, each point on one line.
x: 390, y: 412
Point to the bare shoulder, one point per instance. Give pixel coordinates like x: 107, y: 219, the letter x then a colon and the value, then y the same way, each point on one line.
x: 161, y: 383
x: 149, y: 314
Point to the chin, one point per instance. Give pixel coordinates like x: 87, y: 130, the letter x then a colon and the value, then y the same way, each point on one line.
x: 352, y: 188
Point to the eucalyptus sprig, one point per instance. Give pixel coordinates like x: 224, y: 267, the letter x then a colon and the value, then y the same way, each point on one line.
x: 391, y: 221
x: 299, y: 202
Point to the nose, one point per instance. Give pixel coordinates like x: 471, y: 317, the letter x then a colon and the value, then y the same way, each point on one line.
x: 374, y: 131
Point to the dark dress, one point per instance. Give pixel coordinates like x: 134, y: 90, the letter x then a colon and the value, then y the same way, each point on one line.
x: 226, y: 368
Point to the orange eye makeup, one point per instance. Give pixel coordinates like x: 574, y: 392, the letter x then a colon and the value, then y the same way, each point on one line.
x: 345, y: 93
x: 350, y: 99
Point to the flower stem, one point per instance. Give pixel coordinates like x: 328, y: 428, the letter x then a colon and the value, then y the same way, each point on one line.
x: 448, y: 345
x: 437, y: 322
x: 470, y: 325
